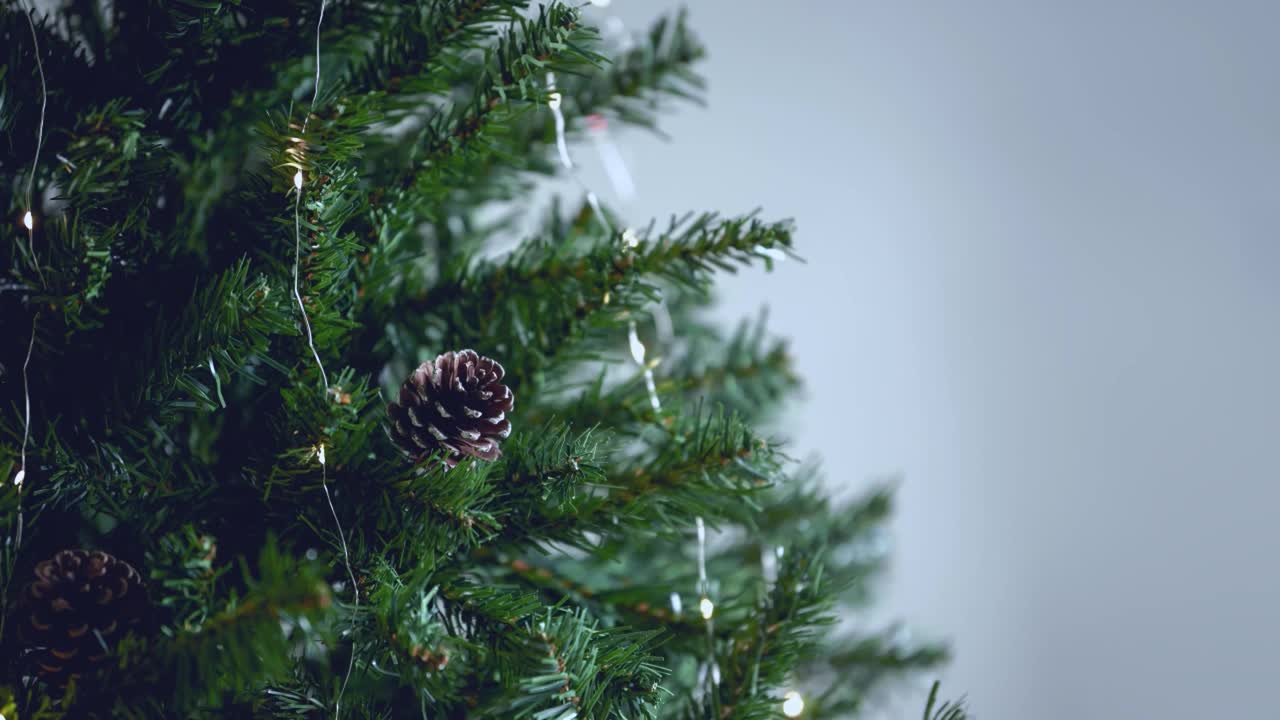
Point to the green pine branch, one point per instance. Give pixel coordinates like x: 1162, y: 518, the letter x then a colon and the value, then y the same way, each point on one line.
x: 420, y: 47
x: 514, y: 70
x: 708, y: 464
x: 747, y: 374
x: 947, y: 710
x: 632, y: 88
x: 245, y: 645
x: 578, y: 669
x: 555, y: 294
x: 635, y: 84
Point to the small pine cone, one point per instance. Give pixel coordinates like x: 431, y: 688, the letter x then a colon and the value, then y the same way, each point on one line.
x: 456, y: 403
x: 80, y: 604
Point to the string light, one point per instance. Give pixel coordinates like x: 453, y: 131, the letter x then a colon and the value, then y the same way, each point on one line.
x: 772, y: 253
x: 707, y: 608
x: 630, y: 240
x: 297, y: 222
x: 615, y: 167
x: 704, y: 604
x: 769, y: 565
x: 792, y: 704
x: 26, y: 422
x: 346, y: 556
x: 650, y: 384
x: 324, y: 376
x: 620, y: 178
x: 28, y: 220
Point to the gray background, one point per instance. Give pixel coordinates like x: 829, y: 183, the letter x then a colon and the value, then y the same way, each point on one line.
x: 1041, y: 288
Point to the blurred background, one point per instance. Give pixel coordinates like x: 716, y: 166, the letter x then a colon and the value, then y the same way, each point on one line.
x: 1042, y: 291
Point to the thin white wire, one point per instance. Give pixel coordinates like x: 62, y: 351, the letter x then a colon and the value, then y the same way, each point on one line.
x: 615, y: 167
x: 31, y: 343
x: 26, y: 423
x: 562, y: 146
x: 705, y: 604
x: 355, y: 588
x: 22, y: 470
x: 35, y: 161
x: 297, y: 294
x: 702, y: 556
x: 315, y: 93
x: 306, y: 322
x: 297, y: 219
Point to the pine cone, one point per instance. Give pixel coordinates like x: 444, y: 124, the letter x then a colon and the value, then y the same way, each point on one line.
x: 80, y: 604
x: 457, y: 404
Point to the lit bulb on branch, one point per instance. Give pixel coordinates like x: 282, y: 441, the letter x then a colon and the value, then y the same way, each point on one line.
x: 630, y: 238
x: 28, y: 220
x: 707, y: 607
x: 297, y: 180
x: 792, y: 704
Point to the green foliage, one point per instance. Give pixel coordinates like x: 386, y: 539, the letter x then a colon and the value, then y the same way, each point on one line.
x: 257, y: 635
x: 945, y: 711
x: 180, y: 420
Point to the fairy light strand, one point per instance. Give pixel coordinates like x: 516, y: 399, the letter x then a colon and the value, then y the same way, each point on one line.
x: 297, y: 217
x: 29, y: 222
x: 297, y: 294
x: 705, y: 605
x: 315, y: 93
x: 346, y: 556
x: 629, y: 238
x: 324, y: 375
x: 792, y: 704
x: 554, y: 101
x: 28, y: 219
x: 26, y: 398
x: 615, y: 167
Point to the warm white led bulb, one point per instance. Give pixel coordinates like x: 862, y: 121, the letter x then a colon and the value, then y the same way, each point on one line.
x: 792, y: 704
x: 297, y: 180
x: 772, y: 253
x: 28, y: 220
x: 637, y: 347
x: 321, y: 453
x: 630, y: 238
x: 707, y: 607
x: 554, y: 101
x: 17, y: 480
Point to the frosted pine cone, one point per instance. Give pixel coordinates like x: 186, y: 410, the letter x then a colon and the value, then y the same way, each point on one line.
x: 456, y: 403
x: 80, y: 604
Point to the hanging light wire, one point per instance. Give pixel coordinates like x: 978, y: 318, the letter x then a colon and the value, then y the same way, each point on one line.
x: 629, y: 239
x: 297, y: 216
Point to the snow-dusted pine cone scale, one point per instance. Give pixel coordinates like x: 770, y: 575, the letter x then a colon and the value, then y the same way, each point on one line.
x: 455, y: 403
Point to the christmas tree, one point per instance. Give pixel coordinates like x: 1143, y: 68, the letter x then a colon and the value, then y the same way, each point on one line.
x: 288, y: 434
